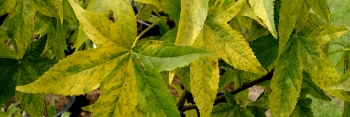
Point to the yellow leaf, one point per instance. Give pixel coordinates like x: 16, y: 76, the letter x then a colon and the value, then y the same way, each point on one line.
x: 264, y: 10
x: 204, y: 83
x: 192, y: 17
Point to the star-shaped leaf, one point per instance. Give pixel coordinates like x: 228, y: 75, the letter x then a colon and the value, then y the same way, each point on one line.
x: 22, y: 72
x: 303, y: 52
x: 127, y: 74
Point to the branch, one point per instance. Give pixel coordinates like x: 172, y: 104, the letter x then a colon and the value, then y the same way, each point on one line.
x: 222, y: 99
x: 182, y: 100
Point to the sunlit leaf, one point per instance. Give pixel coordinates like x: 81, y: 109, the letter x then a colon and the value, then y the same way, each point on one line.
x: 320, y: 7
x: 192, y: 17
x: 264, y: 10
x: 286, y: 81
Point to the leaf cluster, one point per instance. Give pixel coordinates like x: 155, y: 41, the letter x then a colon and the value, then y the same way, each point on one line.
x: 279, y: 45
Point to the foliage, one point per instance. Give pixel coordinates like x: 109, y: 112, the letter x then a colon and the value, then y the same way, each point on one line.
x: 251, y: 38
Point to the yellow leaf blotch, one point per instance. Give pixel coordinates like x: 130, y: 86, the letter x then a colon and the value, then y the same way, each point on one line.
x: 192, y: 17
x: 78, y: 74
x: 286, y: 81
x: 230, y: 45
x: 264, y: 10
x: 204, y: 83
x: 327, y: 33
x: 100, y: 29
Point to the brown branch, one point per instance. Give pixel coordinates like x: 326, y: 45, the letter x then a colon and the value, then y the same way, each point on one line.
x: 180, y: 104
x: 222, y: 99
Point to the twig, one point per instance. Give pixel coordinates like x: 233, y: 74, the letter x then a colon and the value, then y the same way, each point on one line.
x: 222, y: 99
x: 182, y: 100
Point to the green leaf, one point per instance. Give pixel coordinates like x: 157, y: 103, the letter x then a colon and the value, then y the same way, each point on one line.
x: 8, y: 83
x: 257, y: 111
x: 266, y: 50
x: 22, y: 72
x: 156, y: 3
x: 311, y: 88
x: 320, y: 7
x: 303, y: 108
x: 262, y: 101
x: 192, y: 17
x: 173, y: 7
x: 286, y: 81
x: 22, y: 22
x: 288, y: 15
x: 264, y: 10
x: 5, y: 51
x: 57, y: 34
x: 162, y: 55
x: 227, y: 78
x: 183, y: 74
x: 170, y: 36
x: 230, y: 109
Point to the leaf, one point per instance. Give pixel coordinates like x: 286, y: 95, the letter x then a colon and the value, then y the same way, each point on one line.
x: 123, y: 17
x: 262, y: 101
x: 264, y: 10
x: 183, y: 74
x: 327, y: 33
x: 230, y: 109
x: 303, y: 108
x: 162, y: 55
x: 266, y: 50
x: 57, y: 34
x: 320, y: 7
x: 288, y: 15
x: 25, y: 71
x: 8, y: 83
x: 173, y: 7
x: 224, y: 10
x: 231, y: 47
x: 21, y: 19
x: 120, y: 32
x: 247, y: 11
x: 311, y: 88
x: 156, y: 3
x: 227, y: 78
x: 257, y: 111
x: 5, y: 52
x: 192, y: 17
x: 129, y: 79
x: 170, y: 36
x: 286, y: 81
x: 204, y: 83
